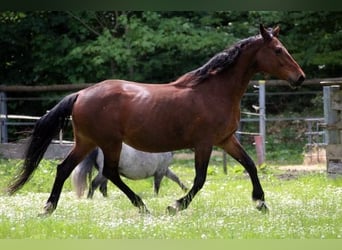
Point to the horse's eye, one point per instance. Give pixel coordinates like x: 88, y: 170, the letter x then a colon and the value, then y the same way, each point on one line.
x: 278, y: 51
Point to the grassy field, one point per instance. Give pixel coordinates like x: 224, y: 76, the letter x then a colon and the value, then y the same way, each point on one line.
x: 303, y: 205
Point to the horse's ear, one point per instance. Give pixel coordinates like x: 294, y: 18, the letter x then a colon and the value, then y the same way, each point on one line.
x: 275, y: 31
x: 264, y: 33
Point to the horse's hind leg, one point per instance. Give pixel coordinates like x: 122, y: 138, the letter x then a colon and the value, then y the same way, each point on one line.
x: 111, y: 171
x: 234, y: 148
x: 63, y: 171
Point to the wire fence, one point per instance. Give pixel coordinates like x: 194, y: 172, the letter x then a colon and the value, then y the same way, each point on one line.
x: 256, y: 97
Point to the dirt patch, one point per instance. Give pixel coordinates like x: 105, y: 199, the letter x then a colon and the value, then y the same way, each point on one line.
x: 306, y: 168
x: 315, y: 156
x: 294, y: 171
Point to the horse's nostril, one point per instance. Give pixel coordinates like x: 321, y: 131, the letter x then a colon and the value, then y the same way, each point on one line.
x: 301, y: 79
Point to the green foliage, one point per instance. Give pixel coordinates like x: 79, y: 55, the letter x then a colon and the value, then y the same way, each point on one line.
x: 146, y: 51
x: 88, y: 46
x: 315, y: 40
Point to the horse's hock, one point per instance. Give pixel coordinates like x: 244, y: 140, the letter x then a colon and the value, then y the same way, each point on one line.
x: 333, y: 121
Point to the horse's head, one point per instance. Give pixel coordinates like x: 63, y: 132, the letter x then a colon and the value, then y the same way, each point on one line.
x: 274, y: 59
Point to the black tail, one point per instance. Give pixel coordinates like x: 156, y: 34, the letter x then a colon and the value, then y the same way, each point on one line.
x: 46, y: 128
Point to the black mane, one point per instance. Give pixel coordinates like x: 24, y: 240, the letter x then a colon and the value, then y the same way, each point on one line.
x: 217, y: 63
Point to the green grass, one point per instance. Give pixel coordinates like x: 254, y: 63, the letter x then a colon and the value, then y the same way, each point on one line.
x: 304, y: 206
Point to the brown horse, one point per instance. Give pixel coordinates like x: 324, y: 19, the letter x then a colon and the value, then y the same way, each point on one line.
x: 199, y: 110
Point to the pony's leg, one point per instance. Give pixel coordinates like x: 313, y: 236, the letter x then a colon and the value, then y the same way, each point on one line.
x: 90, y: 176
x: 103, y: 187
x: 202, y: 156
x: 63, y: 172
x: 101, y: 181
x: 175, y: 178
x: 97, y: 181
x: 233, y: 147
x: 99, y: 178
x: 157, y: 180
x: 110, y: 171
x: 90, y: 191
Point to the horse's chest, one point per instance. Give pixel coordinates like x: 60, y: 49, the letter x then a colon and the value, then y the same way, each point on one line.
x: 227, y: 121
x: 225, y: 127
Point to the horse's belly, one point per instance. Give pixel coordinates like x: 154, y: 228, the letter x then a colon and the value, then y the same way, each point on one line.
x: 136, y: 171
x: 135, y: 164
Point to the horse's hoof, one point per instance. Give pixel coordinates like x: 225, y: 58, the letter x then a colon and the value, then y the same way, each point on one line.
x: 43, y: 215
x: 262, y: 207
x: 144, y: 210
x: 48, y: 210
x: 172, y: 210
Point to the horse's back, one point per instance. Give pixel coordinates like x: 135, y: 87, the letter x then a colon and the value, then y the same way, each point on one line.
x: 145, y: 116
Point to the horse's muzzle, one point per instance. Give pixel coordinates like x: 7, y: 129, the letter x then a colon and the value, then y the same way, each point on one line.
x: 298, y: 82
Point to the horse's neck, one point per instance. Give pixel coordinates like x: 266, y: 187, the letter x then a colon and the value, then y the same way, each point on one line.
x: 236, y: 79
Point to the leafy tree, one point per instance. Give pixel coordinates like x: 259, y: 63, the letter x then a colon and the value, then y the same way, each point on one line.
x: 53, y: 47
x: 151, y: 47
x: 87, y: 46
x: 316, y: 39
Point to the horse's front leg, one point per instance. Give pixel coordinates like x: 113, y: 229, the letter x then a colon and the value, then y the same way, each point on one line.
x: 234, y: 148
x: 110, y: 171
x: 202, y: 156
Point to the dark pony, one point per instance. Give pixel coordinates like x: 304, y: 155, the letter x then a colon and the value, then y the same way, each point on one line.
x: 199, y: 110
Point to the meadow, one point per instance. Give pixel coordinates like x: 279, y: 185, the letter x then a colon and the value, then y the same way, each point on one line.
x: 303, y: 205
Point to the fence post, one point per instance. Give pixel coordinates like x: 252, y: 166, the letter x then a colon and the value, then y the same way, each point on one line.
x: 262, y: 117
x: 259, y: 149
x: 224, y: 156
x: 3, y: 118
x: 333, y: 120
